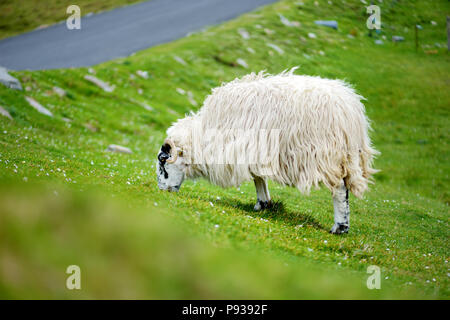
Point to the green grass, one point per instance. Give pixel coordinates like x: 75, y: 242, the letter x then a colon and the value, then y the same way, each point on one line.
x: 17, y: 16
x: 226, y: 249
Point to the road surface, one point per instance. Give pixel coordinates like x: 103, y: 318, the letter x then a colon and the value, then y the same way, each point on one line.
x: 117, y: 33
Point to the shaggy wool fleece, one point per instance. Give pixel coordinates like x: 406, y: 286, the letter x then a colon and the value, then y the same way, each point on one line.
x: 322, y: 133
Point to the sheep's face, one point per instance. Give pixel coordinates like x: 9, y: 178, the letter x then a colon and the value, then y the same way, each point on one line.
x: 170, y: 168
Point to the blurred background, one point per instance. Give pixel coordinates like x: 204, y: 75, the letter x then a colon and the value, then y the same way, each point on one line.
x: 83, y: 113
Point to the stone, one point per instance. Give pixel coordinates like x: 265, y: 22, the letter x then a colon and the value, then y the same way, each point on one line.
x: 398, y: 38
x: 90, y: 127
x: 191, y: 99
x: 180, y: 60
x: 312, y: 35
x: 40, y: 108
x: 142, y: 74
x: 327, y: 23
x: 244, y: 33
x: 8, y: 80
x: 118, y: 149
x: 5, y: 113
x: 146, y: 106
x: 284, y: 20
x: 288, y: 23
x: 242, y: 63
x: 276, y: 48
x: 142, y: 104
x: 105, y: 86
x: 60, y: 92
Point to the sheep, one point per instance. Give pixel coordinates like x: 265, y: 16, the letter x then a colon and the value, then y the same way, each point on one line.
x: 315, y: 131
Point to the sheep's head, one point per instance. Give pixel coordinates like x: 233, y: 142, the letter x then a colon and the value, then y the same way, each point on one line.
x: 171, y: 167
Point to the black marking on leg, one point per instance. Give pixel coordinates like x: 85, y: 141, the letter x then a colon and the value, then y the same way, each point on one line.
x: 341, y: 228
x: 265, y: 204
x: 347, y: 211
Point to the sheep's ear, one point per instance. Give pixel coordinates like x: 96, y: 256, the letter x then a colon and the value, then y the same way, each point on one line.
x: 164, y: 154
x: 166, y: 148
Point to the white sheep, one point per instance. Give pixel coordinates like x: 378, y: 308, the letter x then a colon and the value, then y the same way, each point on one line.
x: 307, y: 130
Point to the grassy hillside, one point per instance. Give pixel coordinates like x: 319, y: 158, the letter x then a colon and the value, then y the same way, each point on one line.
x: 206, y: 242
x: 18, y: 16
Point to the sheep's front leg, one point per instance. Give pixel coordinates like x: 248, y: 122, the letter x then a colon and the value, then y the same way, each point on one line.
x: 341, y: 210
x: 262, y: 194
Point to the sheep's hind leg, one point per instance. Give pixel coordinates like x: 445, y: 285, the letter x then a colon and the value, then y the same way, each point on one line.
x: 262, y: 194
x: 341, y: 210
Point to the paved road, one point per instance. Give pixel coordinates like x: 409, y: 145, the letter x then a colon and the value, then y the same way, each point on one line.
x: 117, y: 33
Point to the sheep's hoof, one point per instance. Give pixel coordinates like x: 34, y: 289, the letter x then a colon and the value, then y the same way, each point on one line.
x: 261, y: 205
x: 339, y: 228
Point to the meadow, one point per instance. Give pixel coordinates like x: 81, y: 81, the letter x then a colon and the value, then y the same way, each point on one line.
x: 66, y: 200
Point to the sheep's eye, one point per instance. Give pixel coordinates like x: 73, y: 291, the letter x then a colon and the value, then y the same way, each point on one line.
x: 180, y: 153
